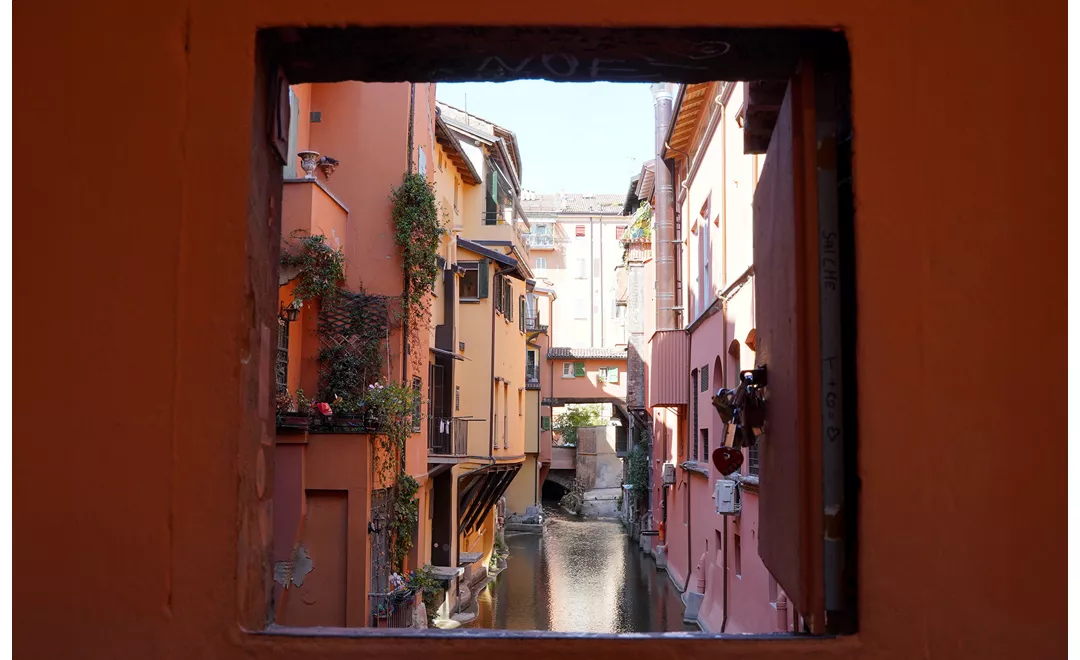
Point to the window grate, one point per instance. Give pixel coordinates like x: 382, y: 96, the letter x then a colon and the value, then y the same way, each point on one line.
x: 705, y: 378
x: 281, y: 365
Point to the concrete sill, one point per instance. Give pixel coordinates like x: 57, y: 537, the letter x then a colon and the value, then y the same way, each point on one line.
x: 695, y: 467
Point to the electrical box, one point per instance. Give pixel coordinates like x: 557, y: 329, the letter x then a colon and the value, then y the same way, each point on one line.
x: 669, y: 474
x: 728, y: 502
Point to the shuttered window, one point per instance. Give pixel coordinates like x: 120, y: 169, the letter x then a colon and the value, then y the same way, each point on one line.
x: 579, y: 370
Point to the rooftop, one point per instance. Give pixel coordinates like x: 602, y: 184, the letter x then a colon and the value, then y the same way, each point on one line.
x: 565, y: 352
x: 537, y: 203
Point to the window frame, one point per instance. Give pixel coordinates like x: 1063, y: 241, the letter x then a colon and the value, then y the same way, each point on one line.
x: 467, y: 267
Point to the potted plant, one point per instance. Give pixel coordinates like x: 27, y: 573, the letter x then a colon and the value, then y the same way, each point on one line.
x: 290, y: 416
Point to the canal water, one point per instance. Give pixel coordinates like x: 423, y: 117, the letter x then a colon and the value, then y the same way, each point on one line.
x: 579, y: 576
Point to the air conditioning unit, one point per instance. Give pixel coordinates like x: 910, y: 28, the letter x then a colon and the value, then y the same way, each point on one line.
x: 669, y: 474
x: 726, y: 493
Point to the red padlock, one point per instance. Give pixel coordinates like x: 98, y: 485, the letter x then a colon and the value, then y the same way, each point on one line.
x: 727, y: 460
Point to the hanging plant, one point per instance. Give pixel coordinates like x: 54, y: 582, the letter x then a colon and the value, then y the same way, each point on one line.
x: 417, y: 231
x: 321, y: 265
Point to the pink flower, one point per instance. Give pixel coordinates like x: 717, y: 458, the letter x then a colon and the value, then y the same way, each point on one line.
x: 324, y: 408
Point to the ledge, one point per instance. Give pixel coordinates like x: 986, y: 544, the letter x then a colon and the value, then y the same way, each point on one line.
x: 695, y: 467
x: 322, y: 188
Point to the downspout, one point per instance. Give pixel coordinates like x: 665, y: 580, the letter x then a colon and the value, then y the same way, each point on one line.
x: 665, y: 229
x: 689, y: 512
x: 404, y: 275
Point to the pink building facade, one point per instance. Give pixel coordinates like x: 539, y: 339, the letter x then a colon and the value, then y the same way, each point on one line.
x: 712, y: 558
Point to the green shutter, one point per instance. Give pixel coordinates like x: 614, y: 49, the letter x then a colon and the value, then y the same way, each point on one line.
x: 545, y: 423
x: 521, y: 313
x: 509, y: 298
x: 482, y: 279
x: 579, y: 370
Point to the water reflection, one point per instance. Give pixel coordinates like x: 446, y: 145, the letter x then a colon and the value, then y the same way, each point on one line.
x: 579, y: 576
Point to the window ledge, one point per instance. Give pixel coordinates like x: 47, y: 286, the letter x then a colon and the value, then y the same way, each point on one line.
x: 694, y: 466
x: 749, y: 482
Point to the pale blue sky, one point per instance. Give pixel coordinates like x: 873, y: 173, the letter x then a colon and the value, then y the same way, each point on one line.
x: 575, y: 137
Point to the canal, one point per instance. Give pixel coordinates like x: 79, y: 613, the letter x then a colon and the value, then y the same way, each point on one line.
x: 579, y: 576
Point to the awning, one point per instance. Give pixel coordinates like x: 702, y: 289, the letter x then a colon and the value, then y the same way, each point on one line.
x: 443, y: 351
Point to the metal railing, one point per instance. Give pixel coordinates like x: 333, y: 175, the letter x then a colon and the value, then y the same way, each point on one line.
x: 392, y: 610
x: 532, y: 374
x: 448, y: 436
x: 541, y: 240
x: 532, y: 322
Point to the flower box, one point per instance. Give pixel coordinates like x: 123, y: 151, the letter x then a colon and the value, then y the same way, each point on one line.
x: 292, y: 422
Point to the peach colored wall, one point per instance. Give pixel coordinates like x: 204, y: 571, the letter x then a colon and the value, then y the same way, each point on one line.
x: 935, y: 580
x: 590, y: 385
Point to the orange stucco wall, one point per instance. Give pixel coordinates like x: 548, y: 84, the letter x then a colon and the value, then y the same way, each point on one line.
x: 937, y: 172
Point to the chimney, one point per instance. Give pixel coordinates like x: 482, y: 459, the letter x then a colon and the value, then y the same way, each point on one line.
x: 663, y: 212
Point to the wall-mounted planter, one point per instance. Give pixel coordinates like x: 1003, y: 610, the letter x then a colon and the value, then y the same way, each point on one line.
x: 292, y: 422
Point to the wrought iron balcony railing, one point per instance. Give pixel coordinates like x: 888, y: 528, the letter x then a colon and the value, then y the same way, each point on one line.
x: 448, y: 436
x: 392, y: 610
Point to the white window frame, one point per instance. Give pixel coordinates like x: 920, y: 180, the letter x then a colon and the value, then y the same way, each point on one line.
x: 541, y: 265
x: 568, y: 370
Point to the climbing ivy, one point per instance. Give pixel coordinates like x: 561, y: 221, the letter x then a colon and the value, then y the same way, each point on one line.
x: 322, y: 266
x: 404, y: 517
x: 637, y: 472
x: 417, y: 231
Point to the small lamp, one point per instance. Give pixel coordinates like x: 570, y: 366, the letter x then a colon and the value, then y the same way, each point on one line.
x: 375, y: 526
x: 290, y: 312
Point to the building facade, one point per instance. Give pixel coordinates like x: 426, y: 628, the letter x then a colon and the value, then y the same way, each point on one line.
x: 575, y: 249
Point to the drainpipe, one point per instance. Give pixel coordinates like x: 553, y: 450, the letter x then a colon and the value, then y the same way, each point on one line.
x: 689, y: 511
x: 662, y: 216
x: 405, y: 276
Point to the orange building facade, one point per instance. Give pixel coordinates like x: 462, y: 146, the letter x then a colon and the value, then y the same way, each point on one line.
x: 186, y: 472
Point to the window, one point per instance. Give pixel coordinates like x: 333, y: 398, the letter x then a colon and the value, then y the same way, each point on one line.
x: 421, y: 163
x: 473, y: 282
x: 619, y: 231
x: 521, y: 313
x: 738, y: 557
x: 416, y: 385
x: 294, y: 122
x: 582, y: 270
x: 457, y: 398
x: 581, y: 308
x: 694, y: 403
x: 573, y: 369
x: 579, y: 231
x: 752, y: 460
x: 609, y: 374
x: 457, y: 184
x: 506, y: 415
x: 545, y: 423
x: 281, y: 365
x: 705, y: 378
x: 541, y: 265
x: 620, y: 310
x: 705, y: 445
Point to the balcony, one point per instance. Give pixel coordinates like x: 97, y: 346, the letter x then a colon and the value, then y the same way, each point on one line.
x: 669, y: 369
x: 532, y: 324
x: 392, y: 610
x: 541, y: 241
x: 532, y: 377
x: 448, y: 436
